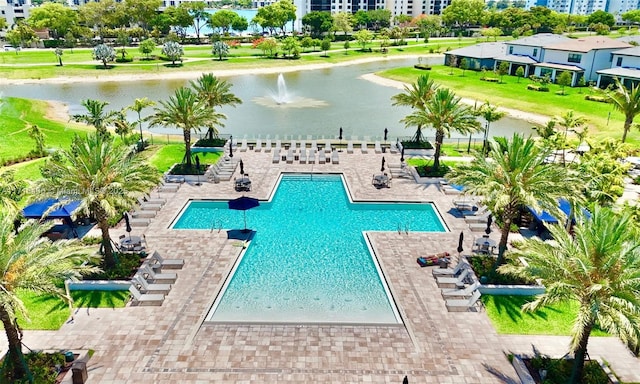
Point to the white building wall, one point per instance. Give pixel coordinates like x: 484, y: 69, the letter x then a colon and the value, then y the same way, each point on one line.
x: 627, y: 61
x: 525, y: 50
x: 12, y: 10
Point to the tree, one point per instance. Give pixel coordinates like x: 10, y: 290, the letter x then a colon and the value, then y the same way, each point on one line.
x: 463, y: 13
x: 363, y: 37
x: 22, y: 34
x: 291, y: 47
x: 464, y: 65
x: 570, y: 122
x: 186, y: 110
x: 346, y: 47
x: 379, y: 18
x: 216, y: 93
x: 142, y: 11
x: 602, y: 17
x: 416, y: 96
x: 490, y: 114
x: 57, y: 18
x: 122, y: 126
x: 104, y: 53
x: 223, y: 19
x: 325, y: 45
x: 632, y: 16
x: 220, y: 49
x: 138, y: 105
x: 598, y: 267
x: 147, y: 47
x: 519, y: 73
x: 59, y: 52
x: 491, y: 32
x: 105, y: 177
x: 70, y: 41
x: 123, y: 40
x: 38, y: 136
x: 428, y: 25
x: 11, y: 191
x: 503, y: 69
x: 96, y: 115
x: 512, y: 176
x: 444, y: 112
x: 179, y: 19
x: 306, y: 42
x: 626, y: 101
x: 268, y: 46
x: 199, y: 14
x: 318, y: 22
x: 173, y: 51
x: 276, y: 15
x: 604, y: 174
x: 240, y: 24
x: 31, y: 263
x: 342, y: 21
x: 3, y: 23
x: 361, y: 19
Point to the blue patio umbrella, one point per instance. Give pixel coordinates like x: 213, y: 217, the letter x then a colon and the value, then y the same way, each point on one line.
x: 244, y: 203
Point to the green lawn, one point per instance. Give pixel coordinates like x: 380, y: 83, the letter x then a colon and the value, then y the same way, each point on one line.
x: 164, y: 156
x: 507, y: 317
x: 603, y: 120
x: 49, y: 313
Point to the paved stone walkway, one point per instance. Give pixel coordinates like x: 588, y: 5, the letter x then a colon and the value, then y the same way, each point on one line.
x: 171, y: 344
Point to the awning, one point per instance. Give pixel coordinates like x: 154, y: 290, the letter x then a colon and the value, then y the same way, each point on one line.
x: 545, y: 217
x: 38, y: 209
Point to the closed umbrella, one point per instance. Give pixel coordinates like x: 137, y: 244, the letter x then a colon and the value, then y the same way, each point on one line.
x: 241, y: 168
x: 402, y: 155
x: 489, y: 222
x: 386, y: 132
x: 405, y: 380
x: 244, y: 203
x: 383, y: 161
x: 460, y: 240
x: 340, y: 136
x: 231, y: 146
x: 127, y: 224
x: 198, y: 169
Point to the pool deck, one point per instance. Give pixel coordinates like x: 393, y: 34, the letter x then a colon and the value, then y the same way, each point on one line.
x: 170, y: 344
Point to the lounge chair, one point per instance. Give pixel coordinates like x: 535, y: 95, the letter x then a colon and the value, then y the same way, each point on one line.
x: 168, y: 188
x: 158, y: 278
x: 393, y: 148
x: 377, y: 148
x: 290, y: 156
x: 303, y: 156
x: 335, y: 159
x: 481, y: 218
x: 243, y: 147
x: 312, y: 156
x: 464, y: 293
x: 258, y: 146
x: 321, y: 157
x: 276, y: 156
x: 303, y: 144
x: 350, y: 147
x: 327, y: 146
x: 139, y: 222
x: 451, y: 272
x: 463, y: 305
x: 293, y: 147
x: 267, y: 147
x: 145, y: 287
x: 278, y: 144
x: 477, y: 227
x: 162, y: 263
x: 363, y: 147
x: 314, y: 145
x: 453, y: 282
x: 137, y: 298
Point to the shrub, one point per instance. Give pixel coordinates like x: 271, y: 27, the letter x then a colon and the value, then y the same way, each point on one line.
x: 91, y: 240
x: 600, y: 99
x: 490, y: 79
x: 538, y: 88
x: 483, y: 266
x: 559, y: 370
x: 417, y: 145
x: 128, y: 264
x: 425, y: 67
x: 429, y: 171
x: 210, y: 142
x: 125, y: 60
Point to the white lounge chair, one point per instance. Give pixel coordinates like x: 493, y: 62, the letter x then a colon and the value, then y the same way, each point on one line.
x: 276, y: 156
x: 464, y: 293
x: 163, y: 263
x: 158, y: 278
x: 321, y: 157
x: 452, y: 282
x: 244, y: 147
x: 363, y: 147
x: 451, y: 272
x: 350, y: 146
x: 311, y: 159
x: 290, y: 156
x: 335, y: 159
x: 463, y: 305
x: 303, y: 144
x: 258, y: 147
x: 267, y: 147
x: 137, y: 298
x: 327, y: 146
x: 303, y: 156
x: 149, y: 288
x: 376, y: 147
x: 314, y: 145
x: 278, y: 144
x: 293, y: 147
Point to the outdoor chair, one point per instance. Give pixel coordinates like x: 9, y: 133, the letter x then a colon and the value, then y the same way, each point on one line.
x: 267, y: 146
x: 363, y: 147
x: 464, y: 293
x: 149, y: 288
x: 377, y: 148
x: 463, y: 305
x: 453, y: 282
x: 137, y: 298
x: 335, y: 159
x: 303, y: 156
x: 321, y: 158
x: 314, y: 145
x: 258, y: 147
x: 290, y: 156
x: 243, y: 147
x: 350, y: 147
x: 276, y: 156
x: 158, y: 278
x: 451, y: 272
x: 162, y: 263
x: 327, y: 146
x: 312, y: 156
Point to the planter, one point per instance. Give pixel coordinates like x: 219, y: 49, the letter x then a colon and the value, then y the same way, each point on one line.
x: 517, y: 290
x: 195, y: 149
x: 419, y: 152
x: 98, y: 285
x: 184, y: 178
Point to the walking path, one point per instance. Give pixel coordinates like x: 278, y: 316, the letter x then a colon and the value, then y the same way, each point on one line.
x: 171, y: 344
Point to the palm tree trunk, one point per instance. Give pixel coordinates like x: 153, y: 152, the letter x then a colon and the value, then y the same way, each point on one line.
x: 187, y: 147
x: 18, y: 366
x: 577, y: 370
x: 436, y: 155
x: 502, y: 246
x: 103, y: 224
x: 627, y: 125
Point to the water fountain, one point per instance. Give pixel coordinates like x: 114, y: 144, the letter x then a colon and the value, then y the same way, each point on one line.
x: 283, y: 95
x: 285, y: 99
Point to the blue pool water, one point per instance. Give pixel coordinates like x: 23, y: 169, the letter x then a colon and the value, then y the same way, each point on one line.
x: 308, y: 261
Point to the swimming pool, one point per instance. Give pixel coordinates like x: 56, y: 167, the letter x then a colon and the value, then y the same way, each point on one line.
x: 308, y: 261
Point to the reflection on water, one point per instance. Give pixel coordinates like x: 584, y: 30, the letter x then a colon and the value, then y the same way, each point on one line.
x: 330, y: 98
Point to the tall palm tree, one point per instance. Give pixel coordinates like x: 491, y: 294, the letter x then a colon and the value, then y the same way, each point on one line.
x: 31, y: 262
x: 186, y: 110
x: 445, y: 113
x: 107, y: 179
x: 599, y: 267
x: 96, y: 115
x: 490, y: 114
x: 626, y: 101
x: 515, y: 175
x: 416, y: 96
x: 569, y: 121
x: 216, y: 93
x: 138, y: 105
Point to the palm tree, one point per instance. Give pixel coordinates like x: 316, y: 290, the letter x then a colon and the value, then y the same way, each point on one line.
x: 186, y: 110
x: 569, y: 121
x: 416, y: 96
x: 599, y: 267
x: 11, y: 191
x: 96, y: 115
x: 216, y: 93
x: 31, y: 262
x: 444, y: 112
x: 490, y: 114
x: 107, y: 179
x: 515, y: 175
x: 138, y: 105
x: 628, y: 102
x: 122, y: 125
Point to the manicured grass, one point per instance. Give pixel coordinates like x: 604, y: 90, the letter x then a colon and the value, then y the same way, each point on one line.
x: 163, y: 157
x: 508, y: 318
x: 18, y: 115
x: 603, y: 120
x: 49, y: 313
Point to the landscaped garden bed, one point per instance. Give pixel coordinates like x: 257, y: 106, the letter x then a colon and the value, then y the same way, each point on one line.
x: 558, y: 371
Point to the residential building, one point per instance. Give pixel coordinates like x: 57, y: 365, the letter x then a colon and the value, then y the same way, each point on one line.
x: 13, y: 10
x: 625, y: 66
x: 478, y: 56
x: 528, y: 51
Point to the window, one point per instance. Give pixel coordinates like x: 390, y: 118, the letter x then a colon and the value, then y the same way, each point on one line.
x: 619, y: 62
x: 535, y: 52
x: 510, y: 50
x: 574, y: 58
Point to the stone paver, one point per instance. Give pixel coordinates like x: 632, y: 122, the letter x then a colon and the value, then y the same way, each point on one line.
x: 171, y: 343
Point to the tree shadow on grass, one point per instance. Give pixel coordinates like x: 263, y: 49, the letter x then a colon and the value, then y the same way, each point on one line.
x: 97, y: 299
x: 512, y: 306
